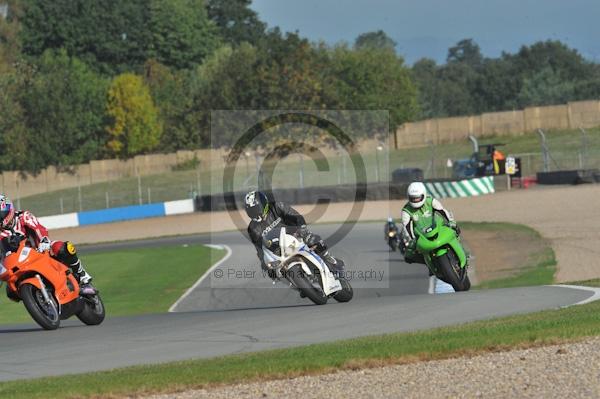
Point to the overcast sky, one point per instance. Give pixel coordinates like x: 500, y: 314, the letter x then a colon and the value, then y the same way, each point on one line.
x: 426, y: 28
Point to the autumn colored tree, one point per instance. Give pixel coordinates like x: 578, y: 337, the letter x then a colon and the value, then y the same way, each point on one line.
x: 135, y: 127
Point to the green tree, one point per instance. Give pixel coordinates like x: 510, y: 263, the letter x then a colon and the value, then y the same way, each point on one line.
x: 135, y: 127
x: 497, y: 87
x: 115, y: 36
x: 13, y: 131
x: 110, y: 35
x: 236, y: 21
x: 568, y: 63
x: 172, y: 95
x: 424, y: 77
x: 545, y: 88
x: 10, y: 46
x: 64, y: 103
x: 467, y: 52
x: 374, y: 79
x: 182, y: 34
x: 229, y: 79
x: 374, y: 40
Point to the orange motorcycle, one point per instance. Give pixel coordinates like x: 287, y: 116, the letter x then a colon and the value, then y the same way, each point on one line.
x: 47, y: 288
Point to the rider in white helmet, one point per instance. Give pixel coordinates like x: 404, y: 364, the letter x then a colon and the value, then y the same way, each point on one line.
x: 420, y: 203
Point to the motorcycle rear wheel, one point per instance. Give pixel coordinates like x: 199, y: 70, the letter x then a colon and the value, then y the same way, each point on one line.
x: 44, y: 314
x: 300, y: 280
x: 93, y: 311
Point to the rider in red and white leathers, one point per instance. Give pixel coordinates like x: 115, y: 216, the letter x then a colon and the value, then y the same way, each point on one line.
x: 24, y: 223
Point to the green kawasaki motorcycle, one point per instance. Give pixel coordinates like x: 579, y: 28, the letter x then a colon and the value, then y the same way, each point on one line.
x: 443, y: 252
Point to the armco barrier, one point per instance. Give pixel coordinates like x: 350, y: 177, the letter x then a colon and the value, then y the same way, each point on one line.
x: 577, y: 176
x: 348, y: 193
x: 309, y: 195
x: 60, y: 221
x: 179, y: 207
x: 118, y: 214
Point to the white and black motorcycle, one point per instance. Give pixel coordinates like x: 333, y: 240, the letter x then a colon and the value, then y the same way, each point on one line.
x: 293, y: 260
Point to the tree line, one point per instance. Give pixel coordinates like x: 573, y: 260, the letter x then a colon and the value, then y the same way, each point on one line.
x: 544, y: 73
x: 83, y: 80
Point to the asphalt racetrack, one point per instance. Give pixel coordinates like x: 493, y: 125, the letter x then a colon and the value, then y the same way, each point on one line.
x: 235, y: 309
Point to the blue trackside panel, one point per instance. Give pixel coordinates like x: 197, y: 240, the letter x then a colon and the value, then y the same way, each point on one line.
x: 123, y: 213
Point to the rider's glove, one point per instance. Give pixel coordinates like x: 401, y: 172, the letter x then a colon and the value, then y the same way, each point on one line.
x: 409, y: 252
x: 44, y: 245
x: 303, y: 231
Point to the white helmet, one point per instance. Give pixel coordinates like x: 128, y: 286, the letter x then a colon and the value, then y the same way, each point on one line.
x: 416, y: 194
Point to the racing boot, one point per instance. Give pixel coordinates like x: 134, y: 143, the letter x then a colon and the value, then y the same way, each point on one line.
x: 67, y: 254
x: 83, y: 277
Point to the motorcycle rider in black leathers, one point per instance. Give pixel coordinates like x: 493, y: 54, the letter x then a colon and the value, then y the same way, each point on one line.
x: 266, y: 215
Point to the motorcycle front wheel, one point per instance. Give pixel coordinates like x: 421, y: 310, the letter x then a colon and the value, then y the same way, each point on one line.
x: 45, y: 314
x: 302, y: 282
x: 346, y: 294
x: 450, y: 269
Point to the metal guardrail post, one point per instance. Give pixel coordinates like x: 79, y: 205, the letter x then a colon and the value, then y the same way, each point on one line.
x: 584, y: 147
x: 301, y: 171
x: 544, y: 150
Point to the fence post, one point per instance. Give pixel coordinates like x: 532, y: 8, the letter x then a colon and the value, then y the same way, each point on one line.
x: 18, y: 192
x: 139, y: 179
x: 431, y: 166
x: 198, y: 176
x: 107, y: 199
x: 584, y: 147
x: 79, y: 197
x: 301, y: 171
x: 544, y: 150
x: 345, y: 174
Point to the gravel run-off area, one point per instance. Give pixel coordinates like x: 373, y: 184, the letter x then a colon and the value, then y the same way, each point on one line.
x: 558, y: 371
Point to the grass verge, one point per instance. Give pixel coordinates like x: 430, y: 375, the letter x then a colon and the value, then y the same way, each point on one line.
x: 536, y: 329
x: 534, y: 268
x: 136, y: 281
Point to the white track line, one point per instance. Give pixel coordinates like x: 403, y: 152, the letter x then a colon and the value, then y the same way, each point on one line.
x: 593, y: 298
x: 205, y: 275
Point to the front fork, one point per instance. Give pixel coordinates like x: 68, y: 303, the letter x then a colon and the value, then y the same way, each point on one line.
x: 47, y: 298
